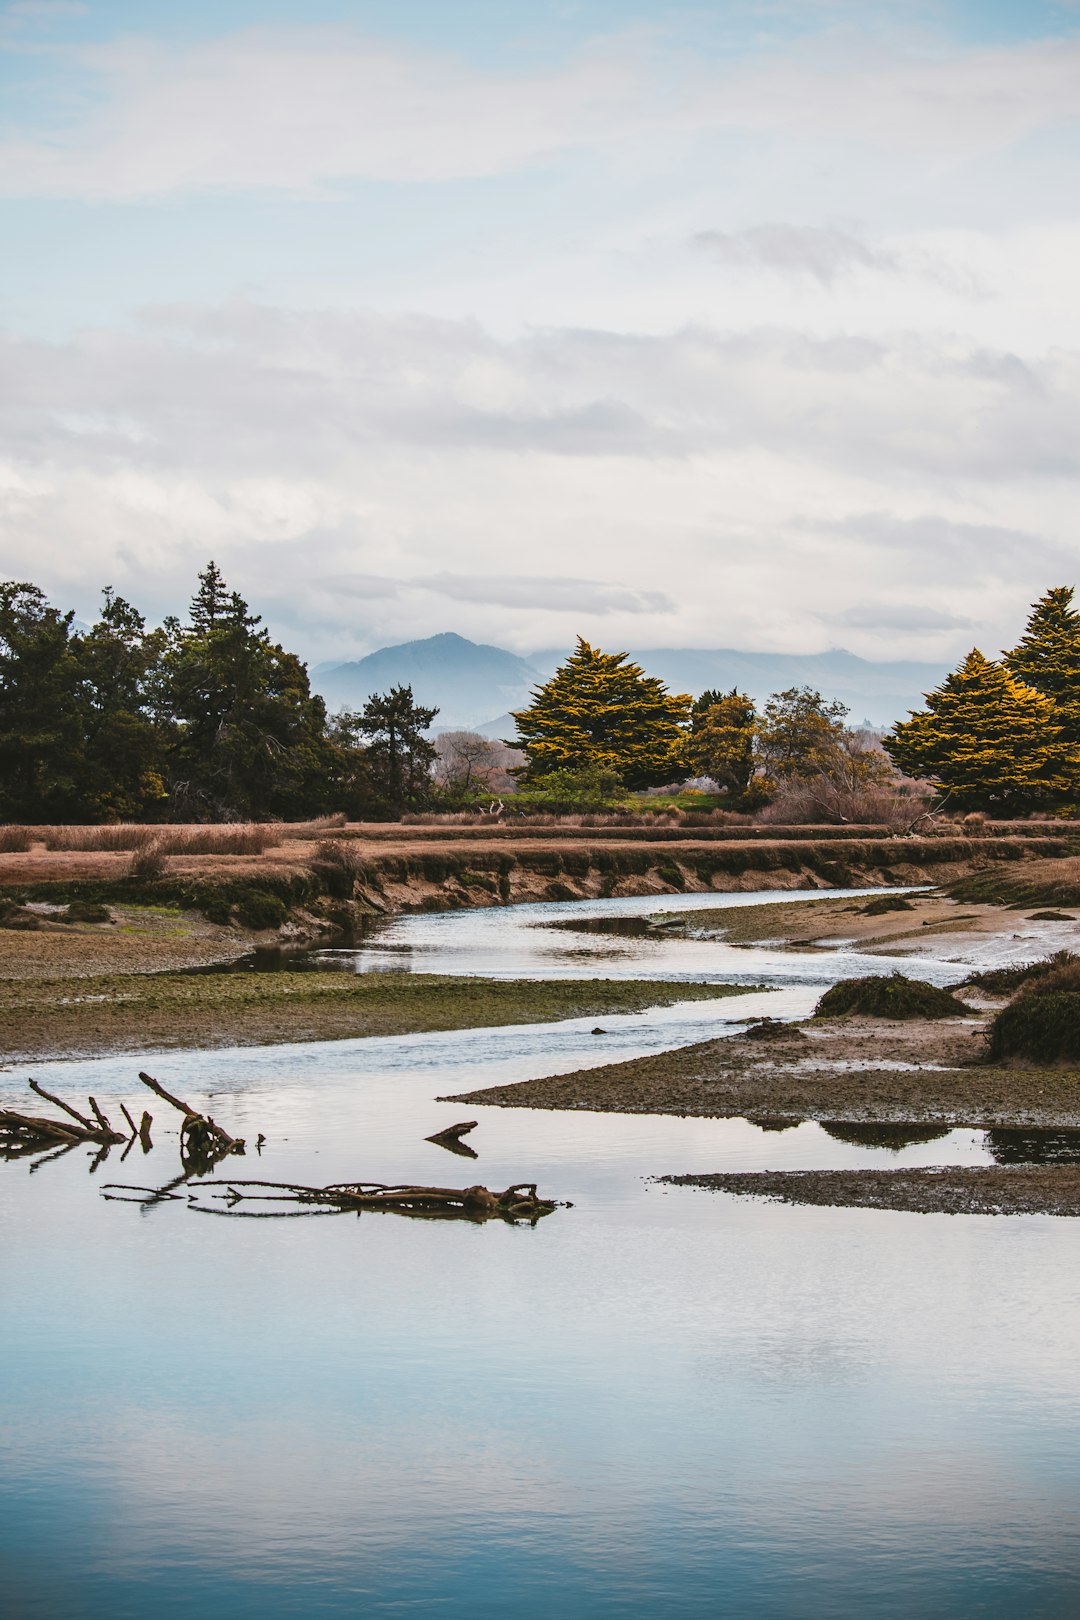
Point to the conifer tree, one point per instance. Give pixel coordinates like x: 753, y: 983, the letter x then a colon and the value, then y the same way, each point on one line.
x: 1047, y: 657
x: 722, y: 739
x: 600, y: 711
x: 124, y: 742
x: 988, y: 740
x: 40, y: 736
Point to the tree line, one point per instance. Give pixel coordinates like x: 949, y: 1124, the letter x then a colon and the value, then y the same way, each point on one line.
x: 208, y: 719
x: 205, y: 719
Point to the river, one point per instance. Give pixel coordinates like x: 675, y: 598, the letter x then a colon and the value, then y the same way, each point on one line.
x: 661, y: 1401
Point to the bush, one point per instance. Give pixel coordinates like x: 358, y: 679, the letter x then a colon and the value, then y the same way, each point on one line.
x: 672, y: 876
x: 1041, y: 1025
x: 888, y: 996
x: 257, y: 909
x: 336, y: 866
x: 149, y: 862
x: 1003, y: 981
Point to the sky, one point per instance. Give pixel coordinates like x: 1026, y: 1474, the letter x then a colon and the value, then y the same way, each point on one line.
x: 743, y: 323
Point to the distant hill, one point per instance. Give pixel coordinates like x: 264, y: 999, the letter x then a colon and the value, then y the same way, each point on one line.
x: 475, y: 685
x: 467, y: 681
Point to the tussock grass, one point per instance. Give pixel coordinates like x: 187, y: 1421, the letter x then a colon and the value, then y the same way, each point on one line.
x: 15, y: 840
x: 228, y: 838
x: 888, y: 996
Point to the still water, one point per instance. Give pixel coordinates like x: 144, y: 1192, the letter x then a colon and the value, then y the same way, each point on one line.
x: 661, y: 1401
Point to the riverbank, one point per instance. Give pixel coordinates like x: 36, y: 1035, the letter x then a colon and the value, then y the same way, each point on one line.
x: 112, y: 1013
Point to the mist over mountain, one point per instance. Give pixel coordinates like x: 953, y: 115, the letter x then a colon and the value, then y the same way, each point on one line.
x: 475, y: 686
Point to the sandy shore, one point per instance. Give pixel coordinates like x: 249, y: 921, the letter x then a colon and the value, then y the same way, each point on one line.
x: 88, y: 1016
x: 1036, y: 1189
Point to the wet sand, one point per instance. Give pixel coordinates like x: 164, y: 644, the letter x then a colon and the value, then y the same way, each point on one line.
x: 845, y: 1069
x: 1037, y: 1189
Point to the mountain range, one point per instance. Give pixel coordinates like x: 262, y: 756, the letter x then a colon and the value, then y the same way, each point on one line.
x: 474, y: 685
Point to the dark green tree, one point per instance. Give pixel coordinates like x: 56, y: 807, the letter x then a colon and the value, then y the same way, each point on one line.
x: 250, y: 737
x: 124, y: 744
x: 40, y: 730
x: 988, y: 741
x: 386, y: 752
x: 722, y: 739
x: 1047, y: 657
x: 601, y: 712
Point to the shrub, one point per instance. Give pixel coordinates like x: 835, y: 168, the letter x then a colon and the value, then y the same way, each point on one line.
x: 336, y: 866
x: 888, y: 996
x: 672, y: 876
x: 1002, y: 981
x: 1040, y: 1025
x: 149, y: 862
x: 257, y: 909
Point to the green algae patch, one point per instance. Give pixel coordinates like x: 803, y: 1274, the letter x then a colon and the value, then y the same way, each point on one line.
x: 142, y: 1012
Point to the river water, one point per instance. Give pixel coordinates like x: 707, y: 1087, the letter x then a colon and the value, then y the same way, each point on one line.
x: 661, y: 1401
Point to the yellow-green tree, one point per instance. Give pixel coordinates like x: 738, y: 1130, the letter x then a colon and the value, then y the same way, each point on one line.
x: 987, y: 740
x: 600, y: 711
x: 1047, y: 656
x: 722, y: 739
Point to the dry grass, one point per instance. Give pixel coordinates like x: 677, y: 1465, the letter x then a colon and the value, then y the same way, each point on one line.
x: 16, y: 840
x: 232, y: 838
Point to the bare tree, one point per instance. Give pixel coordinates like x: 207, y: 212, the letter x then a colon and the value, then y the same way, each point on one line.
x: 465, y: 760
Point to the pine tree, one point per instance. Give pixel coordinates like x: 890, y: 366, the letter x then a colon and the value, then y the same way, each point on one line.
x: 1047, y: 657
x: 250, y: 736
x: 393, y: 772
x: 600, y: 711
x: 40, y: 732
x: 987, y: 740
x: 722, y: 739
x: 122, y: 776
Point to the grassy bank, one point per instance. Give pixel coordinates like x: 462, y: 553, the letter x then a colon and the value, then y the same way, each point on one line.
x: 139, y: 1012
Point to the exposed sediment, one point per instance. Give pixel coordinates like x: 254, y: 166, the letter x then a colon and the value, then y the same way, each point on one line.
x: 1035, y: 1189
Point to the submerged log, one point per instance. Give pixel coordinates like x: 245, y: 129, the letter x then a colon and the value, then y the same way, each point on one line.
x: 520, y: 1202
x: 203, y: 1143
x: 21, y: 1132
x: 450, y: 1139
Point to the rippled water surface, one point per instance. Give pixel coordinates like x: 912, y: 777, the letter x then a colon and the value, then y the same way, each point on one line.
x: 657, y: 1402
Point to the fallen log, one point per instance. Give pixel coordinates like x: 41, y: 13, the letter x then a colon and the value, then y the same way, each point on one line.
x: 19, y: 1131
x: 521, y: 1202
x: 203, y: 1143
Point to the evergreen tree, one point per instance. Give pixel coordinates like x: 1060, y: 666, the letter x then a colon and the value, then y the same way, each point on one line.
x: 987, y: 740
x: 250, y: 738
x: 124, y: 744
x: 40, y: 733
x: 1047, y: 657
x: 393, y: 772
x: 722, y: 739
x: 598, y: 710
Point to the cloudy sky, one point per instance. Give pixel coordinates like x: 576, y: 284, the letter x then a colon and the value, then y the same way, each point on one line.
x: 728, y: 324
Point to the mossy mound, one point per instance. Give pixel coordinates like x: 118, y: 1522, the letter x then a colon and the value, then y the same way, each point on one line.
x: 1004, y: 981
x: 1040, y: 1026
x: 883, y: 1135
x: 86, y: 911
x: 888, y: 996
x: 1050, y: 916
x: 885, y: 903
x: 773, y: 1029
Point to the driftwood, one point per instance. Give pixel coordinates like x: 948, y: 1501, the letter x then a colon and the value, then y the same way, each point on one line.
x: 23, y: 1134
x: 518, y: 1203
x: 203, y: 1143
x: 450, y: 1139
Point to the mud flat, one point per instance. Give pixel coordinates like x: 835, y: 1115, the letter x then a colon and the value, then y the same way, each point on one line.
x: 869, y: 1070
x: 89, y: 1016
x: 1042, y: 1189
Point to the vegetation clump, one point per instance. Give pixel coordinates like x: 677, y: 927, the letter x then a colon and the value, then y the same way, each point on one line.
x: 885, y: 903
x: 1041, y: 1025
x: 888, y: 996
x: 87, y: 911
x: 1004, y: 981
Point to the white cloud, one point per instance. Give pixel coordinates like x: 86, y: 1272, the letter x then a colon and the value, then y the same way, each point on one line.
x: 299, y: 110
x: 367, y: 478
